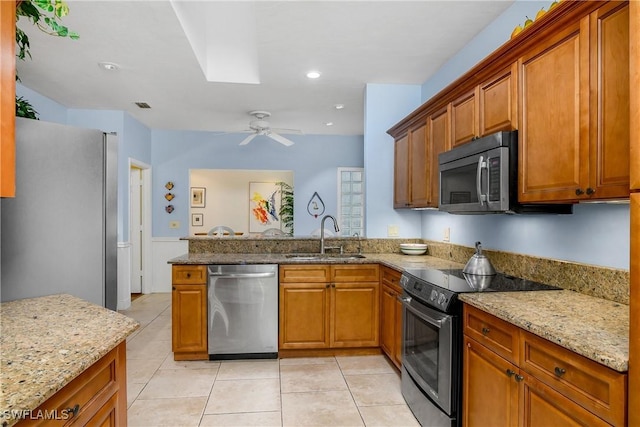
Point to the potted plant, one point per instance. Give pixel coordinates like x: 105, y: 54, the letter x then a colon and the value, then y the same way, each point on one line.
x: 46, y: 15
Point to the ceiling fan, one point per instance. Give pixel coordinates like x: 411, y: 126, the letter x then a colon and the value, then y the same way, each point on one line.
x: 260, y: 126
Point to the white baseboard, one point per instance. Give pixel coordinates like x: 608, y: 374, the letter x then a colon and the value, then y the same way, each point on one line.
x: 163, y: 249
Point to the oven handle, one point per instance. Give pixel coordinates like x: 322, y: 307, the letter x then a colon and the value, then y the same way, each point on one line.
x: 407, y: 301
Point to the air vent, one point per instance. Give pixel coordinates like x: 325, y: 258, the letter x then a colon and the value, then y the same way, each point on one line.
x: 143, y: 105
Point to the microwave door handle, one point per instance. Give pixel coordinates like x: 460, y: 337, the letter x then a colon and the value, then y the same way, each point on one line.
x: 481, y: 164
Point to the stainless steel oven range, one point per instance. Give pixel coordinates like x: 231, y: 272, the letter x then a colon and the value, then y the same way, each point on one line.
x: 432, y: 339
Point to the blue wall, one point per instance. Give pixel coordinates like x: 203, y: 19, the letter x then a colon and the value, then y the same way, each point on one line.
x: 314, y: 160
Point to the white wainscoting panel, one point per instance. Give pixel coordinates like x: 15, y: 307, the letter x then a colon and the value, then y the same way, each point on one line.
x: 124, y: 275
x: 163, y: 249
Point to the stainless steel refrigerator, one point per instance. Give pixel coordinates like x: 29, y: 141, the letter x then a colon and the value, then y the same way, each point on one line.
x: 59, y: 234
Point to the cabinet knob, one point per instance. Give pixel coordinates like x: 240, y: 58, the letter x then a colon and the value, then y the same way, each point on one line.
x: 485, y: 330
x: 590, y: 191
x: 519, y: 378
x: 188, y: 275
x: 173, y: 287
x: 579, y: 192
x: 73, y: 411
x: 559, y: 371
x: 510, y: 373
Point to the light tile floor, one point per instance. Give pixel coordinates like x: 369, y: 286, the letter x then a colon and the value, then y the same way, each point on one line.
x: 322, y: 391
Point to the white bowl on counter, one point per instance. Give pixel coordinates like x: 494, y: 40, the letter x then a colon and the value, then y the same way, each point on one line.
x: 413, y: 248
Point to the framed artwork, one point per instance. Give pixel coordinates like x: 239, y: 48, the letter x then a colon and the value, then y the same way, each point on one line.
x: 197, y: 219
x: 264, y: 205
x: 198, y: 197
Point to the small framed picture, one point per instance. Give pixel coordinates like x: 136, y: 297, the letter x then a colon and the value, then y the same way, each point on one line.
x: 196, y: 219
x: 197, y: 197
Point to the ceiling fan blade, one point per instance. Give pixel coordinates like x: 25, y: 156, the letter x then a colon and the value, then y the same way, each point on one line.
x: 248, y: 139
x: 281, y: 139
x: 285, y: 130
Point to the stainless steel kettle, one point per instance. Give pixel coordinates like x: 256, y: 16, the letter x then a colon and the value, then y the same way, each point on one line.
x: 479, y: 264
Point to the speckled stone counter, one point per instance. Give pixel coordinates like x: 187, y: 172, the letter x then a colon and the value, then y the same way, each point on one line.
x: 592, y: 327
x: 46, y: 342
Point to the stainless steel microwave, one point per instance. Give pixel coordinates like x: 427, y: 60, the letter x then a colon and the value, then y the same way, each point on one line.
x: 481, y: 177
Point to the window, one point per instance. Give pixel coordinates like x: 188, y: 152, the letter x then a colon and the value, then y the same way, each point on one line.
x: 351, y: 201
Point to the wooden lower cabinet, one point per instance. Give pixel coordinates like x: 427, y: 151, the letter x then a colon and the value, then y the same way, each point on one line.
x: 391, y: 315
x: 546, y: 385
x: 189, y: 312
x: 98, y: 396
x: 341, y: 313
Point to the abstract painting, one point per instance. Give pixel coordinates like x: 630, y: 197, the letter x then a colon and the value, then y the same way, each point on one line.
x: 264, y: 206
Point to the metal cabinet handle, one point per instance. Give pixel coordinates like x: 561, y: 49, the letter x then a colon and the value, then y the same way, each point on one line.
x: 188, y: 275
x: 579, y: 192
x: 519, y: 378
x: 590, y: 191
x: 485, y: 330
x: 510, y: 373
x: 560, y: 371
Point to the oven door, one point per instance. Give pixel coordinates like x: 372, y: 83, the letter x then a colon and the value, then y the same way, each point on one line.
x: 477, y: 183
x: 428, y: 343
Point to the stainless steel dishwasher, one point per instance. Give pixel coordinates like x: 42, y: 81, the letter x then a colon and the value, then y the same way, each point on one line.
x: 243, y: 311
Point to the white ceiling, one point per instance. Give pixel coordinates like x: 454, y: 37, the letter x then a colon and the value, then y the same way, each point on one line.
x: 351, y: 43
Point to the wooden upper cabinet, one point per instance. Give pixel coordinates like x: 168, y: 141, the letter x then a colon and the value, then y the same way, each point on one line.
x: 498, y: 102
x: 609, y: 114
x: 7, y: 98
x: 439, y: 142
x: 554, y: 87
x: 401, y: 173
x: 464, y: 118
x: 634, y: 99
x: 574, y: 104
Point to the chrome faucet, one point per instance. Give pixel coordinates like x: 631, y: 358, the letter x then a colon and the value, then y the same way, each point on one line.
x: 335, y: 226
x: 356, y: 234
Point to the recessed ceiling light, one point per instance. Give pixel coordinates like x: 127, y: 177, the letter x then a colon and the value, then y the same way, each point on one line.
x: 329, y: 124
x: 109, y: 66
x: 313, y: 74
x: 339, y: 106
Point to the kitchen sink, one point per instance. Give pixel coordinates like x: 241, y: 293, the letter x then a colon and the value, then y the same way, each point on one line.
x: 319, y: 257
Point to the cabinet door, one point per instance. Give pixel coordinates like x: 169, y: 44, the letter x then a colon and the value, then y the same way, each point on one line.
x: 609, y: 151
x: 420, y: 174
x: 189, y: 320
x: 543, y: 406
x: 7, y: 98
x: 490, y: 393
x: 387, y: 320
x: 401, y: 182
x: 554, y: 105
x: 438, y: 126
x: 355, y: 315
x: 304, y: 315
x: 397, y: 356
x: 464, y: 118
x: 498, y: 102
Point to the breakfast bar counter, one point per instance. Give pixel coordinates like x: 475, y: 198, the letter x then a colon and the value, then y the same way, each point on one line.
x: 46, y: 343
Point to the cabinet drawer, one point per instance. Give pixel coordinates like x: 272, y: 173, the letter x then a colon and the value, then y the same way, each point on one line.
x: 91, y: 390
x: 391, y: 278
x: 308, y: 273
x: 189, y: 274
x: 494, y: 333
x: 599, y: 389
x: 355, y: 273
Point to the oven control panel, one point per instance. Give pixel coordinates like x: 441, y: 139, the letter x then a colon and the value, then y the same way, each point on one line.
x: 428, y: 293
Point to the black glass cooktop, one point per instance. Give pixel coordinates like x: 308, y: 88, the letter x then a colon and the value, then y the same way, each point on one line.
x: 439, y: 288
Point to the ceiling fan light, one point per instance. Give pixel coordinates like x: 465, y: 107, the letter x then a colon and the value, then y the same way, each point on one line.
x: 108, y: 66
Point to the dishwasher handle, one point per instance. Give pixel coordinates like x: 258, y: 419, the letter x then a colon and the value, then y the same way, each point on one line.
x: 242, y: 275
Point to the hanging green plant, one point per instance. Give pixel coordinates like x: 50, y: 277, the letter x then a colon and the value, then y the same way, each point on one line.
x: 46, y: 15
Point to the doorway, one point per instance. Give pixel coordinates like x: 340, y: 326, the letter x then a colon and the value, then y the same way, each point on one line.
x: 139, y: 227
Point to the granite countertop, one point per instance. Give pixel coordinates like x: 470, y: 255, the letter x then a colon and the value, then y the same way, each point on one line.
x: 592, y: 327
x: 48, y: 341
